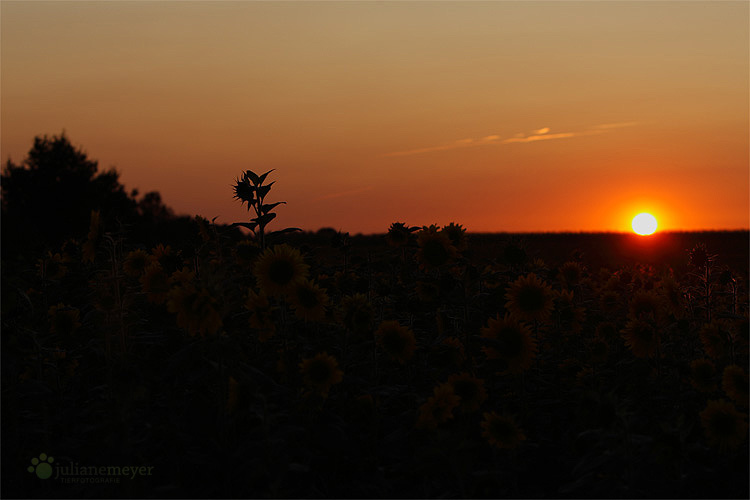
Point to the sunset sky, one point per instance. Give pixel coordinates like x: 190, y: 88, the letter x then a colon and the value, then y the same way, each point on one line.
x: 501, y: 116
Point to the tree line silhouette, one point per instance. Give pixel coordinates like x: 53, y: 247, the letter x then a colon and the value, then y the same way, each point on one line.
x: 48, y: 198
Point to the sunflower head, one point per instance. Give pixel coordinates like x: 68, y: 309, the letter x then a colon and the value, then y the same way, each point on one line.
x: 279, y: 269
x: 457, y: 234
x: 501, y: 431
x: 571, y: 274
x: 511, y: 342
x: 435, y: 248
x: 642, y: 338
x: 136, y: 263
x: 396, y: 340
x: 529, y: 299
x: 244, y: 190
x: 321, y: 372
x: 308, y: 300
x: 470, y: 389
x: 399, y: 234
x: 439, y: 407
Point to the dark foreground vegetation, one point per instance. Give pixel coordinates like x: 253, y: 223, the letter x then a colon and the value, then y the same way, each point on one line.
x: 149, y: 355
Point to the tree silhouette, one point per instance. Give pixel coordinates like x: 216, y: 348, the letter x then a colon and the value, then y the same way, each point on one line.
x: 49, y: 196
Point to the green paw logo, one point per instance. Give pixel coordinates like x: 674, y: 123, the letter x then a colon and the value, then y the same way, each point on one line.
x: 41, y: 466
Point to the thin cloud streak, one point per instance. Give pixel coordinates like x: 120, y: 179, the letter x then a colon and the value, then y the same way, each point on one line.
x: 541, y: 134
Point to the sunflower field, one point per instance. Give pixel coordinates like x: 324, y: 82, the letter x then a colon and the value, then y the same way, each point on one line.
x: 422, y: 363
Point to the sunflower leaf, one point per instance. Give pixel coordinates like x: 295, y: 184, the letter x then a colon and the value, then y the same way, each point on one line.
x: 250, y: 225
x: 266, y: 208
x: 263, y: 190
x: 253, y: 177
x: 263, y: 177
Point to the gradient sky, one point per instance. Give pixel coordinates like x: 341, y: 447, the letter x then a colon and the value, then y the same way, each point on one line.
x: 500, y: 116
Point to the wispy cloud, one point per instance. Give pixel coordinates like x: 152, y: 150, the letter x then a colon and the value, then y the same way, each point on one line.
x: 541, y: 134
x: 462, y: 143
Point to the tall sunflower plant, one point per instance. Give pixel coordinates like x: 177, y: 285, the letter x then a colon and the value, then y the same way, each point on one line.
x: 250, y: 189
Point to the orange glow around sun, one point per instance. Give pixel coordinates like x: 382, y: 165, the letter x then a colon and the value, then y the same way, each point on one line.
x: 644, y: 224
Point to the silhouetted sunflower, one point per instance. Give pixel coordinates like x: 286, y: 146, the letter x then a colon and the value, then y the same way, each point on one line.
x: 136, y: 263
x: 642, y: 338
x: 357, y: 314
x: 501, y: 431
x: 510, y: 341
x: 63, y: 319
x: 457, y: 234
x: 529, y: 299
x: 279, y: 269
x: 398, y: 234
x: 439, y: 407
x: 435, y: 248
x: 155, y: 283
x: 609, y: 302
x: 396, y: 340
x: 308, y: 300
x: 735, y: 383
x: 51, y: 267
x: 321, y: 372
x: 469, y: 389
x: 724, y: 426
x: 261, y: 315
x: 703, y: 375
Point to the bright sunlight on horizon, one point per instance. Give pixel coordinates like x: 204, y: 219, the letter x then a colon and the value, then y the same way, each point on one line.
x: 500, y: 116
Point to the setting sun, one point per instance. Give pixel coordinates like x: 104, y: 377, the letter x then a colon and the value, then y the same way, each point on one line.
x: 644, y: 224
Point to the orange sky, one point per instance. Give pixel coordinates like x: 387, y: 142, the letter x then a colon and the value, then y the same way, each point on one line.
x: 500, y: 116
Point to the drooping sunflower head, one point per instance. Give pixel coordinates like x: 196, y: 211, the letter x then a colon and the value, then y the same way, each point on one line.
x: 734, y: 381
x: 244, y: 190
x: 510, y: 341
x: 642, y: 338
x: 501, y: 431
x: 529, y: 299
x: 279, y: 269
x: 725, y: 427
x: 396, y: 340
x: 308, y: 300
x: 321, y: 372
x: 435, y: 248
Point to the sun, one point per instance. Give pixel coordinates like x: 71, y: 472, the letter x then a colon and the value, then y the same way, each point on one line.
x: 644, y: 224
